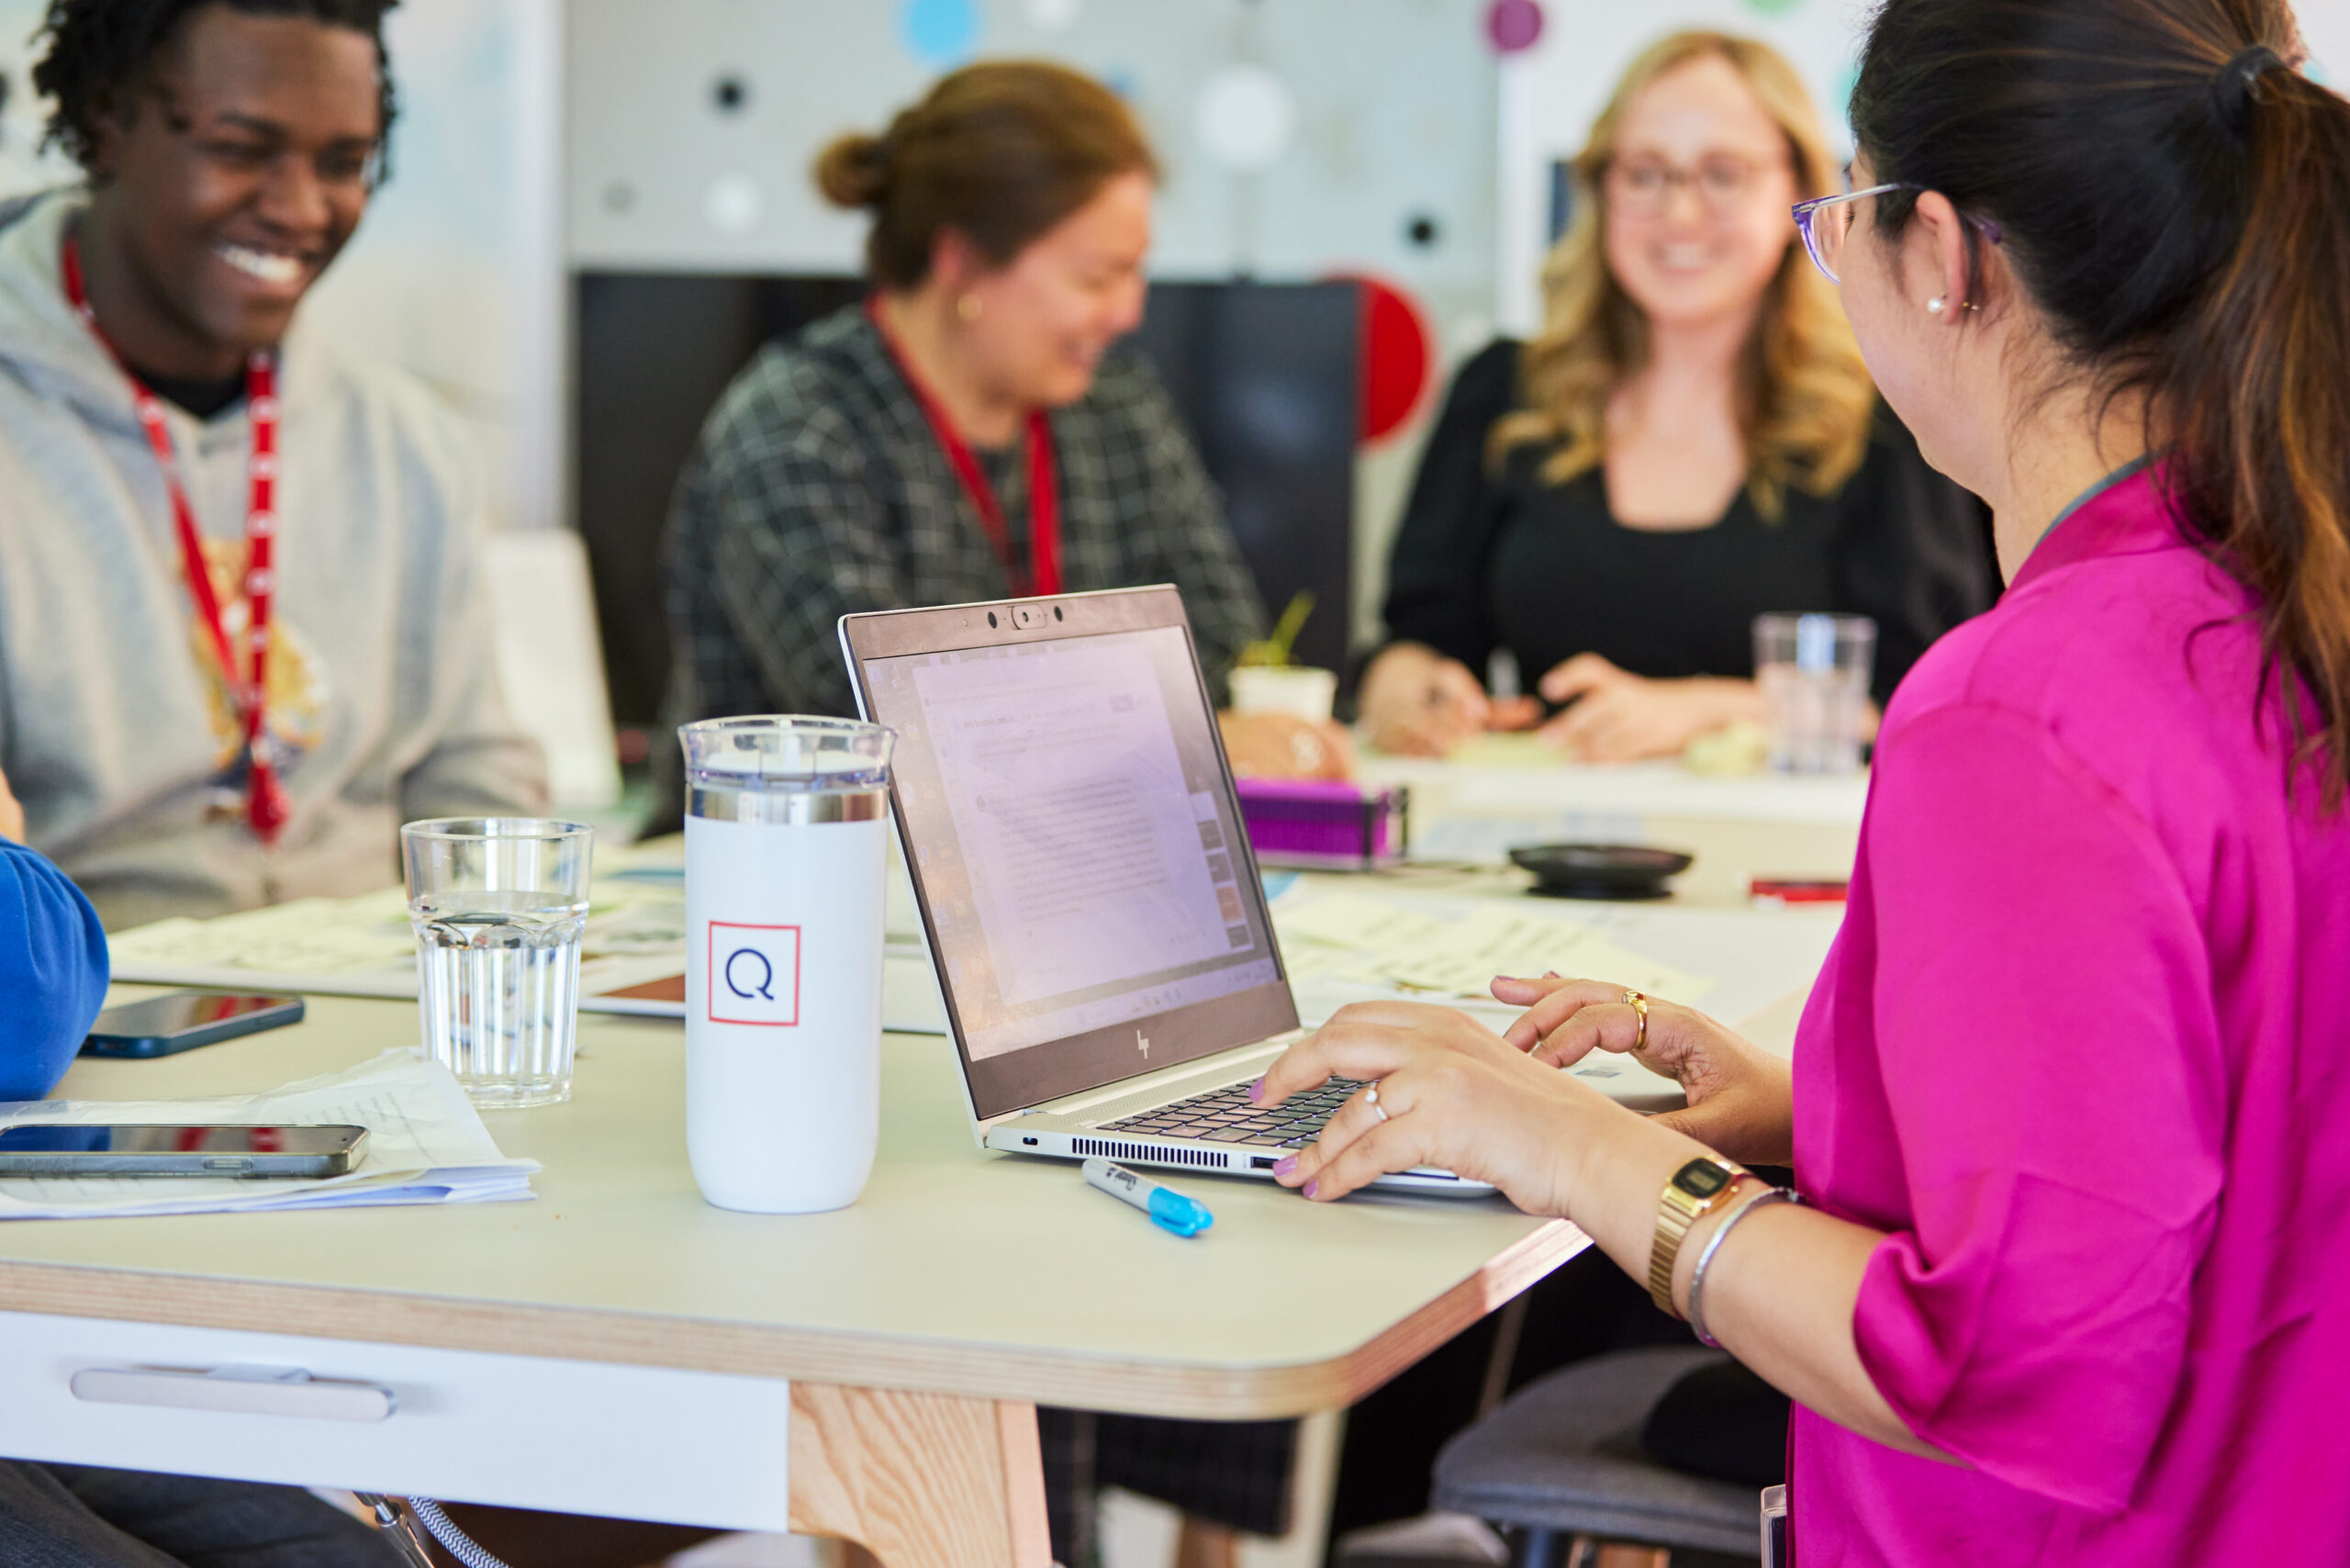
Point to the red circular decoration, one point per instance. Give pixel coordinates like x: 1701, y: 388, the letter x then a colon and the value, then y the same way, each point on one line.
x: 1397, y: 356
x: 1513, y: 25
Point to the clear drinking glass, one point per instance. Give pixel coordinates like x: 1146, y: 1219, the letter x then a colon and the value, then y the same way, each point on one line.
x: 1814, y: 672
x: 498, y: 904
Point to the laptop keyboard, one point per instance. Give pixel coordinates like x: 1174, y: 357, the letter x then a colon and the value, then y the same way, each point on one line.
x: 1227, y: 1116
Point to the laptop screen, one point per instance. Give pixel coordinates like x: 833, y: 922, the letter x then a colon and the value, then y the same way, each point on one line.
x: 1081, y: 867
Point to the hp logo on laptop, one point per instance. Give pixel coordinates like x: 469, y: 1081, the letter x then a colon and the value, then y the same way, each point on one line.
x: 1142, y: 1043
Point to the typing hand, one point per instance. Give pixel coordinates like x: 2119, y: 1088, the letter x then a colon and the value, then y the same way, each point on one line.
x: 1621, y: 717
x: 1453, y: 1094
x: 12, y: 816
x: 1419, y: 704
x: 1740, y: 1097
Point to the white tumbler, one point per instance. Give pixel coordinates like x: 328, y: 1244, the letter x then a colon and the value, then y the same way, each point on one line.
x: 786, y: 854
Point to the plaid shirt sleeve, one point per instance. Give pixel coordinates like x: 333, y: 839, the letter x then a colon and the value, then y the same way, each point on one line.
x: 1184, y: 538
x: 782, y: 529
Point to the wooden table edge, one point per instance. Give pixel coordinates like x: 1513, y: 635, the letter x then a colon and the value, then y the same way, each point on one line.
x: 847, y: 1359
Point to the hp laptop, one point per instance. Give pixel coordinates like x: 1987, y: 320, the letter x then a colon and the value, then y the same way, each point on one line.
x: 1101, y: 936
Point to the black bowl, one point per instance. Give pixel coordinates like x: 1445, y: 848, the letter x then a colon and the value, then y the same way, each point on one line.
x: 1617, y: 871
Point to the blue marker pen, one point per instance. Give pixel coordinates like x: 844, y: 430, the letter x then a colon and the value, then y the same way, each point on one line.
x: 1167, y: 1209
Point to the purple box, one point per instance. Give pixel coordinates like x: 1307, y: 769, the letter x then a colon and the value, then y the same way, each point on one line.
x: 1323, y: 825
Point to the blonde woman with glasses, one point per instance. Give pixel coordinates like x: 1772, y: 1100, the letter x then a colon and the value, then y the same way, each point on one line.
x: 1691, y: 441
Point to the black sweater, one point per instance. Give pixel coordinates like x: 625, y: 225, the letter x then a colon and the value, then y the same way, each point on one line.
x: 1491, y: 559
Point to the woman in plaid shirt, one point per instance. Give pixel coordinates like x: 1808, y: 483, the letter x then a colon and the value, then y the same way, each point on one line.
x: 967, y: 433
x: 891, y: 455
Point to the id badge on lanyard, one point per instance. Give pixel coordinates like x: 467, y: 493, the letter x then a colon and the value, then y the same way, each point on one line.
x: 266, y: 804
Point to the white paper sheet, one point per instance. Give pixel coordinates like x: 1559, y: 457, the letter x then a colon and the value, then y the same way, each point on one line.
x: 426, y: 1143
x: 1447, y: 948
x: 364, y: 947
x: 1345, y: 946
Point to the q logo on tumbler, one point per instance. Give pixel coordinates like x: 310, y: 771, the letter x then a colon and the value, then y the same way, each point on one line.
x: 754, y: 974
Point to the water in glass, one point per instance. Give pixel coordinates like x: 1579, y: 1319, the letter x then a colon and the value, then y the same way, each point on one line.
x: 1817, y: 717
x: 499, y: 904
x: 1814, y: 675
x: 500, y: 991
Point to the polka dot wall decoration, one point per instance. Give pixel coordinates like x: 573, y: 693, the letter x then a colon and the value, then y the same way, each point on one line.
x: 940, y: 32
x: 1513, y: 25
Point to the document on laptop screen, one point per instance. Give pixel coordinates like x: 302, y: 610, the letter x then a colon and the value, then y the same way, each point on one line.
x: 1065, y: 809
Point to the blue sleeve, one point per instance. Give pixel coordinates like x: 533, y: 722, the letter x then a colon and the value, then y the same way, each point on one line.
x: 52, y: 972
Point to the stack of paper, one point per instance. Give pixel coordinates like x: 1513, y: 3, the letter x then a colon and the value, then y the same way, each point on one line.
x: 1348, y: 947
x: 364, y: 946
x: 1432, y: 948
x: 631, y: 960
x: 425, y: 1145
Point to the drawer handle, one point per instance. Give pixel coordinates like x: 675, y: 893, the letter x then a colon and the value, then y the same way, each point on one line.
x: 244, y: 1390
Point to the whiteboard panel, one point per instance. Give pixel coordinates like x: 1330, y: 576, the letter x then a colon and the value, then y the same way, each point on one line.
x: 1393, y: 113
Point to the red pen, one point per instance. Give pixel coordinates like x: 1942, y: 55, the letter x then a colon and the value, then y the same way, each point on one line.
x: 1776, y: 892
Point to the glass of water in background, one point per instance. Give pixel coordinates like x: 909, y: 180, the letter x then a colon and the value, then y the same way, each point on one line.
x: 498, y: 904
x: 1814, y: 672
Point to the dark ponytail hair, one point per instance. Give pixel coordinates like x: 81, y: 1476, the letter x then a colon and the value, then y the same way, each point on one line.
x: 999, y: 151
x: 2175, y: 198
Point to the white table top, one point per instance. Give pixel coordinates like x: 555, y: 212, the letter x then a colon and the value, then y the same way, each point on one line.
x: 1739, y: 828
x: 958, y: 1272
x: 1518, y: 774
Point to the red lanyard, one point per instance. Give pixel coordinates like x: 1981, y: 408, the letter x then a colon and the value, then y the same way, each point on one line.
x: 266, y: 801
x: 1044, y: 573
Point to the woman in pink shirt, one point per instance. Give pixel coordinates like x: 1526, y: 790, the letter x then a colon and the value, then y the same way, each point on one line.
x: 2070, y: 1106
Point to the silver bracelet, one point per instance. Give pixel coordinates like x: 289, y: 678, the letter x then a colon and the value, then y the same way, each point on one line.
x: 1714, y: 1244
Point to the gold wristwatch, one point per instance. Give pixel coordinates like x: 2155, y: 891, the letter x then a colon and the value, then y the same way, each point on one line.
x: 1692, y: 1193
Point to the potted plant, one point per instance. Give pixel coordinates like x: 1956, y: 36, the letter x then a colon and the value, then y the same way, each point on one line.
x: 1264, y: 680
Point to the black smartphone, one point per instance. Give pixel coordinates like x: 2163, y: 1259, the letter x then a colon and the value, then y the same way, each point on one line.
x: 63, y: 1149
x: 160, y: 1026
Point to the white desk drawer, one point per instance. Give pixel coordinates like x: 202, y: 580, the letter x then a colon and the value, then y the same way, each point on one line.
x: 579, y: 1437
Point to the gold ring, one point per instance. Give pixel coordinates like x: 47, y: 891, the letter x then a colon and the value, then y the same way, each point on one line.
x: 1370, y: 1098
x: 1639, y: 1004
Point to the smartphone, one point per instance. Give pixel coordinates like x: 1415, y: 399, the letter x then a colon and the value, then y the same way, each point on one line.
x: 160, y: 1025
x: 62, y: 1148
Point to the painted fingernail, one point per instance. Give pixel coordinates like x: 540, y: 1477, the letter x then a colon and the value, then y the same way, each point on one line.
x: 1256, y: 1090
x: 1285, y: 1165
x: 1310, y: 1186
x: 1549, y: 974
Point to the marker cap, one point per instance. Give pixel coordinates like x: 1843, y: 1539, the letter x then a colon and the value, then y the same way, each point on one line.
x: 1173, y: 1211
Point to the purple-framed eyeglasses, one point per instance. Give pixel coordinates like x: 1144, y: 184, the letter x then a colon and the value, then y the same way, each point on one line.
x: 1824, y: 240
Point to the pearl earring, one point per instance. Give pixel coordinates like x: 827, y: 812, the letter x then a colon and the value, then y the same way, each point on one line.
x: 1936, y: 305
x: 968, y: 307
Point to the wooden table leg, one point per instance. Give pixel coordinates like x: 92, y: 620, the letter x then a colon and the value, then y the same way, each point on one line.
x: 920, y: 1480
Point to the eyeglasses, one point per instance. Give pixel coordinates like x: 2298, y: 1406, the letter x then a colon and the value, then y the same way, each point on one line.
x: 1645, y: 186
x: 1823, y: 236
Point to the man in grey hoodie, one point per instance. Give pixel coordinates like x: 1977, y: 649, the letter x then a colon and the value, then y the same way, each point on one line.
x: 150, y: 351
x: 147, y: 335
